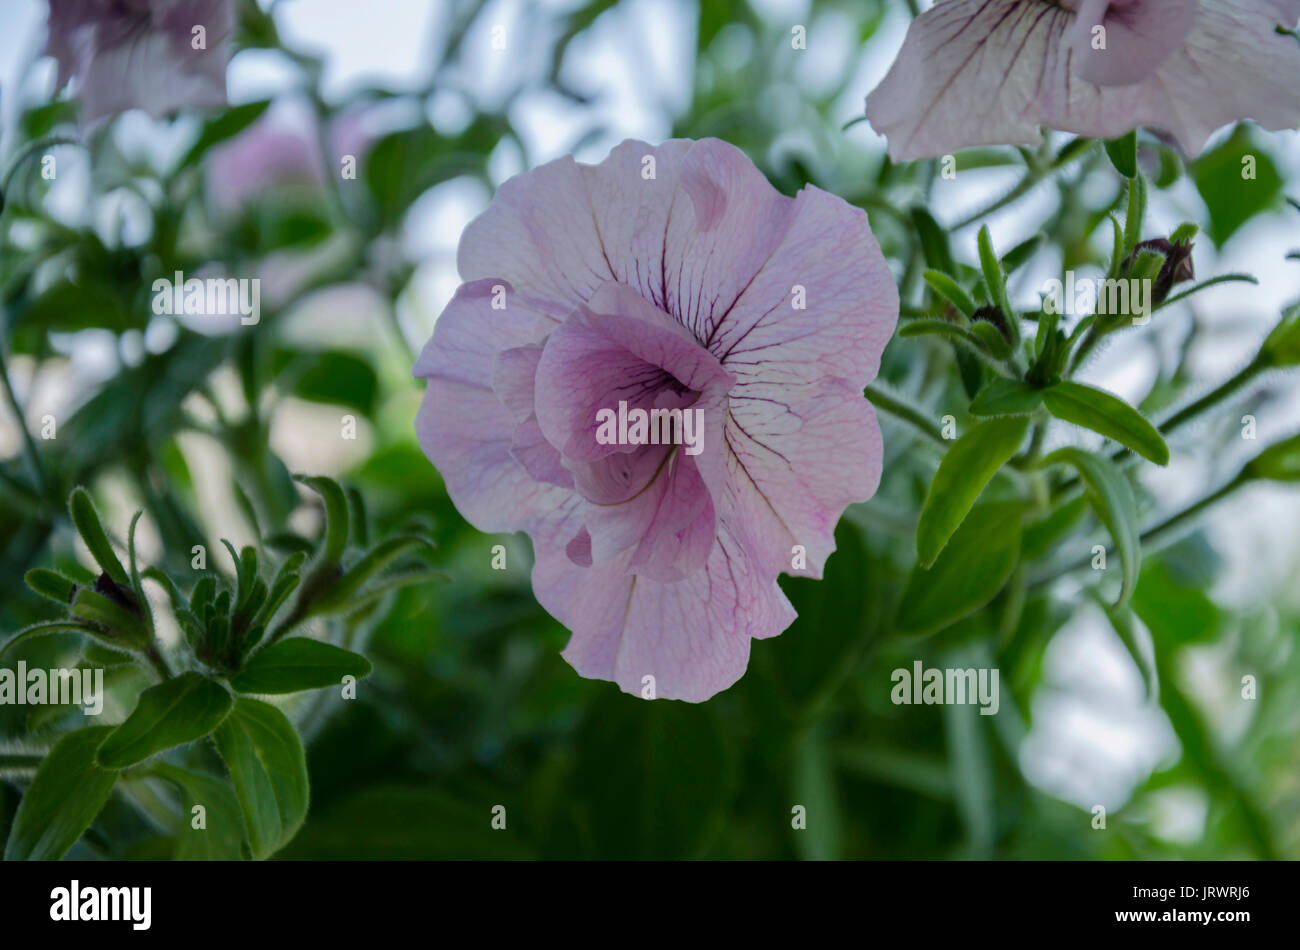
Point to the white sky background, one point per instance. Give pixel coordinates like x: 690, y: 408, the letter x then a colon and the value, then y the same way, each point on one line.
x: 1094, y: 739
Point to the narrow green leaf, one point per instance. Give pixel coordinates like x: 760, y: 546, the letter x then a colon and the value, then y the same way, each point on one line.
x: 1137, y: 641
x: 973, y: 567
x: 996, y: 282
x: 1123, y: 154
x: 336, y: 517
x: 225, y: 125
x: 934, y: 240
x: 1018, y: 255
x: 1007, y: 397
x: 173, y: 713
x: 991, y: 339
x: 1042, y: 536
x: 1282, y: 345
x: 1111, y: 496
x: 1137, y: 207
x: 1117, y: 252
x: 86, y: 520
x: 66, y: 794
x: 268, y: 771
x: 965, y: 469
x: 51, y: 584
x: 45, y: 629
x: 137, y: 587
x: 1103, y: 412
x: 350, y: 584
x: 124, y: 628
x: 386, y: 586
x: 298, y: 663
x: 948, y: 288
x: 1279, y: 462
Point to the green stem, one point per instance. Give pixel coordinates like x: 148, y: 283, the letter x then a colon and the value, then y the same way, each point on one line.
x: 29, y: 444
x: 1158, y: 531
x: 1181, y: 417
x: 1178, y: 519
x: 907, y: 413
x: 158, y: 661
x: 1023, y: 187
x: 26, y: 152
x: 1190, y: 412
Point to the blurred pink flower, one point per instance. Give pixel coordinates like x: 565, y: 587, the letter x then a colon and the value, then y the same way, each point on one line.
x: 665, y: 278
x: 991, y: 72
x: 282, y: 148
x: 140, y: 54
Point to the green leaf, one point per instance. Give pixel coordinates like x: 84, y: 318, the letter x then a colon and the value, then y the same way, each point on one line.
x: 1139, y: 646
x: 996, y: 282
x: 934, y: 241
x: 336, y: 518
x: 296, y: 664
x: 92, y: 532
x: 957, y: 334
x: 963, y: 473
x: 173, y: 713
x: 1231, y: 197
x: 1042, y: 535
x: 1279, y: 462
x: 1175, y: 610
x: 948, y: 288
x: 1282, y: 345
x: 45, y: 629
x: 1111, y: 496
x: 269, y: 773
x: 991, y: 339
x: 66, y: 794
x: 1123, y: 154
x: 123, y: 628
x: 1102, y: 412
x: 387, y: 585
x: 51, y: 584
x: 974, y: 566
x: 227, y: 124
x: 641, y: 808
x: 349, y: 585
x: 1022, y: 252
x: 222, y: 836
x: 339, y: 378
x: 1137, y: 209
x: 1007, y: 397
x: 402, y: 823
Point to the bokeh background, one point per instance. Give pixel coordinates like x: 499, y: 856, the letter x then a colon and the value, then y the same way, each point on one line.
x: 470, y: 705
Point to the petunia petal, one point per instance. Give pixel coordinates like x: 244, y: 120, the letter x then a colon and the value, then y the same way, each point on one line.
x: 691, y: 636
x: 991, y: 72
x: 1119, y: 42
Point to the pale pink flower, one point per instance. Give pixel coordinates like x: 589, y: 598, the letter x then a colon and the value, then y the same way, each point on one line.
x: 992, y: 72
x: 667, y: 277
x: 283, y: 148
x: 140, y: 54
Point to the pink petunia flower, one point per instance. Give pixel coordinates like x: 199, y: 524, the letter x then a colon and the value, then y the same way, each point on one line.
x: 991, y: 72
x: 668, y: 278
x: 283, y: 148
x: 141, y: 54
